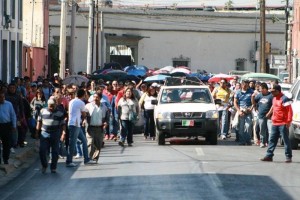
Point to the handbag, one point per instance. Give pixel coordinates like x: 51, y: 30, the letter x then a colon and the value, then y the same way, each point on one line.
x: 132, y: 116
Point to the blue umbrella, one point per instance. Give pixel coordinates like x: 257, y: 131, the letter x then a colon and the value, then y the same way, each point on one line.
x: 137, y: 72
x: 158, y: 77
x: 128, y: 68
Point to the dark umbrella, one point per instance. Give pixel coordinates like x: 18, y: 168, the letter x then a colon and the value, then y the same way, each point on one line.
x: 179, y: 74
x: 130, y: 78
x: 104, y: 77
x: 116, y: 74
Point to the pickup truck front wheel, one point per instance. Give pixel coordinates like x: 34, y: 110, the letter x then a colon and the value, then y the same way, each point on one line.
x: 160, y: 137
x: 212, y: 138
x: 294, y: 141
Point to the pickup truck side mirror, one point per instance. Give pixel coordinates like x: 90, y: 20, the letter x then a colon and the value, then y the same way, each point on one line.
x: 154, y: 102
x: 218, y: 101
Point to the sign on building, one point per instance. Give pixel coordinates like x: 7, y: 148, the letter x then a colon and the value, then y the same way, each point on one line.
x: 277, y: 62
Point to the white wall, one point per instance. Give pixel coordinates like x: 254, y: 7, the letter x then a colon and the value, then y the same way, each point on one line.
x: 213, y: 41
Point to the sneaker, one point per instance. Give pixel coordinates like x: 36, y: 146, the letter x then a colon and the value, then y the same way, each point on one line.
x: 112, y: 136
x: 90, y: 162
x: 267, y: 159
x: 288, y: 160
x: 121, y: 143
x: 71, y: 164
x: 223, y: 137
x: 106, y: 137
x: 78, y: 156
x: 262, y: 145
x: 130, y: 144
x: 228, y: 136
x: 12, y: 150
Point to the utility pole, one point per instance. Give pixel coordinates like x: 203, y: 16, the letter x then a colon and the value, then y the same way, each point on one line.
x: 262, y: 36
x: 90, y: 39
x: 71, y: 58
x: 62, y: 42
x: 102, y: 40
x: 288, y: 41
x: 97, y: 35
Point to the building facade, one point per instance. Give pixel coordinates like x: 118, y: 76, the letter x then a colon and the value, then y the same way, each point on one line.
x: 215, y: 42
x: 295, y: 49
x: 10, y: 39
x: 35, y: 38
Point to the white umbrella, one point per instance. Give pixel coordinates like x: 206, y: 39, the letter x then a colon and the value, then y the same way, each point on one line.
x: 75, y: 79
x: 183, y: 70
x: 158, y: 77
x: 167, y: 68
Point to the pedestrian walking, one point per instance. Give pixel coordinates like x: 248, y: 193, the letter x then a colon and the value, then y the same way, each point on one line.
x: 263, y: 100
x: 223, y: 93
x: 243, y: 105
x: 51, y: 122
x: 281, y: 121
x: 148, y: 108
x: 127, y: 111
x: 76, y: 111
x: 8, y: 124
x: 96, y: 122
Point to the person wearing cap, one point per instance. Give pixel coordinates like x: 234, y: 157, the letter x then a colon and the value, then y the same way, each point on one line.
x: 50, y: 122
x: 243, y: 105
x: 263, y: 100
x: 8, y: 124
x: 281, y: 120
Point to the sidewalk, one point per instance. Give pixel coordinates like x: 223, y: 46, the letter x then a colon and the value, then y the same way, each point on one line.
x: 22, y: 159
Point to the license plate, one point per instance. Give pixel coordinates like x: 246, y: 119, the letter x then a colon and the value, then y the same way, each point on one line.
x: 188, y: 123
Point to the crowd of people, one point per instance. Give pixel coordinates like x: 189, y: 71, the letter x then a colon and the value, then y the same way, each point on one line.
x: 74, y: 121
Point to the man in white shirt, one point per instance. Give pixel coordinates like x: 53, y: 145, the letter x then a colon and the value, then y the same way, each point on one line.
x: 76, y: 110
x: 96, y: 123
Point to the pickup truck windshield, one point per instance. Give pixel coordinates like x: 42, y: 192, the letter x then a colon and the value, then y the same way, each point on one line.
x: 186, y: 95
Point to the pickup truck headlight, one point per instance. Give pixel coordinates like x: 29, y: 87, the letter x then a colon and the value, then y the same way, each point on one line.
x: 163, y: 115
x: 212, y: 114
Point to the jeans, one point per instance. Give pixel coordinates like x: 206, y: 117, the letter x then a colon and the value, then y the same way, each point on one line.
x: 264, y: 127
x: 5, y: 137
x: 224, y: 122
x: 276, y: 132
x: 114, y: 125
x: 126, y: 131
x: 83, y: 140
x: 245, y: 128
x: 149, y: 126
x: 73, y: 135
x: 45, y: 145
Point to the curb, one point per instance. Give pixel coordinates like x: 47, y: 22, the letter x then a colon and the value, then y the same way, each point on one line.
x: 22, y: 159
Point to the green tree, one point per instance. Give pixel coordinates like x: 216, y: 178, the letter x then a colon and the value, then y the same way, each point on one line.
x: 53, y: 52
x: 228, y: 5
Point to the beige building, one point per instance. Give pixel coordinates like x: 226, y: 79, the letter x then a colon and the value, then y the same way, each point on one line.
x: 10, y: 39
x: 214, y: 41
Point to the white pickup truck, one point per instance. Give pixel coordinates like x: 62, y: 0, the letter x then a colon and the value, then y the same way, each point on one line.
x: 185, y: 111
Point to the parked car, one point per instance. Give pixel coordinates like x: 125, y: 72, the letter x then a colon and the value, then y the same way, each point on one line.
x: 186, y: 111
x: 294, y: 131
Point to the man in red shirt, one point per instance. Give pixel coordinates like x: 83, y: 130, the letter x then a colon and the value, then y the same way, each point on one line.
x: 281, y: 121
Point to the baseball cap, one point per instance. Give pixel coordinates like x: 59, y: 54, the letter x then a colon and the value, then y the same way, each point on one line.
x: 275, y: 88
x: 33, y: 84
x: 154, y: 84
x: 55, y: 74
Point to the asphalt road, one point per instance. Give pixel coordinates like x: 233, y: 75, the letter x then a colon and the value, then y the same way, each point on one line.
x: 181, y: 170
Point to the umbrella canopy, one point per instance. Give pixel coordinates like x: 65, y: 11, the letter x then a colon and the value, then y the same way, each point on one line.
x: 217, y: 78
x: 179, y: 69
x: 116, y: 74
x: 75, y: 79
x: 129, y: 78
x: 158, y: 77
x: 104, y: 77
x: 260, y: 77
x: 168, y: 68
x: 178, y: 74
x: 137, y: 72
x: 160, y: 72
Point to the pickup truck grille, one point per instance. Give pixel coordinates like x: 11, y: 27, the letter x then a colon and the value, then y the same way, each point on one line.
x: 187, y: 115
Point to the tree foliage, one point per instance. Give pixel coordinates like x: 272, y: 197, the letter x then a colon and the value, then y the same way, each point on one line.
x: 228, y: 5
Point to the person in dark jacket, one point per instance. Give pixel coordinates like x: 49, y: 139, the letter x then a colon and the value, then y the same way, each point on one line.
x: 281, y: 121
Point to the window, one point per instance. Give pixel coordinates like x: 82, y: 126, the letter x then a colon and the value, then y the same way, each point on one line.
x: 240, y: 64
x: 13, y: 9
x: 21, y: 9
x: 181, y: 61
